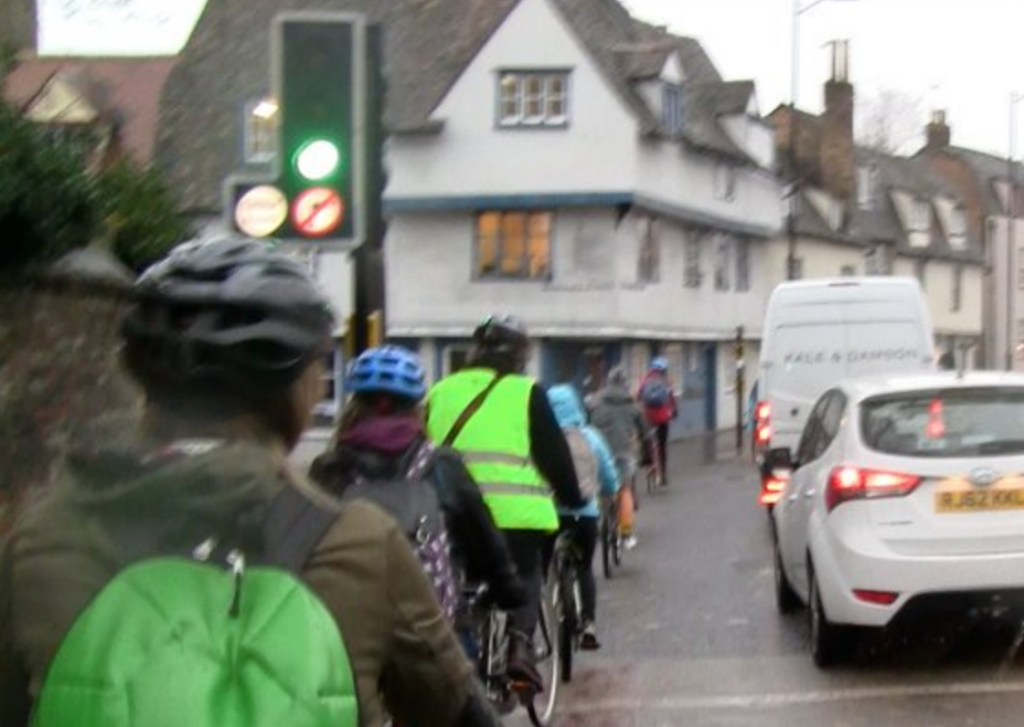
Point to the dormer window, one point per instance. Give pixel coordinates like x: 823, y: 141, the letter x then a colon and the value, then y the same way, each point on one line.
x: 533, y: 99
x: 835, y: 215
x: 866, y: 181
x: 672, y: 108
x: 920, y: 216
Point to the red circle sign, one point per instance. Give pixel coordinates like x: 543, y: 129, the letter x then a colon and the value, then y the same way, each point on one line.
x: 317, y: 211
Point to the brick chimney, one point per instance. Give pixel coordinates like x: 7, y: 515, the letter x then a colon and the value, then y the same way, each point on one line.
x: 836, y: 153
x: 937, y: 132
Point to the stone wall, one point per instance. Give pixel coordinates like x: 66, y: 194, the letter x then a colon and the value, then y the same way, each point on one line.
x: 58, y: 374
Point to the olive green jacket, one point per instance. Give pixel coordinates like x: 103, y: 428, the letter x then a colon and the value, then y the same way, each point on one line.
x: 405, y: 657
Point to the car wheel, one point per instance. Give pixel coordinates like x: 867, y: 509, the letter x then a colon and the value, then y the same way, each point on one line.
x: 786, y: 599
x: 831, y: 644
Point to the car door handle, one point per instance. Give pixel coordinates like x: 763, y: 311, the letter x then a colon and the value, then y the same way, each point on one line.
x: 809, y: 493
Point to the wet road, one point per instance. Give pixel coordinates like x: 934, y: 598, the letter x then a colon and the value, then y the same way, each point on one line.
x: 691, y: 636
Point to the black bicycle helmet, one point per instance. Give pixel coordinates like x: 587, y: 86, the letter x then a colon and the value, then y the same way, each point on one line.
x: 225, y: 317
x: 501, y: 334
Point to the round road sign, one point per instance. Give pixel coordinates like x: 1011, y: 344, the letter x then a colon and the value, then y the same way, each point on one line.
x: 317, y: 211
x: 261, y: 211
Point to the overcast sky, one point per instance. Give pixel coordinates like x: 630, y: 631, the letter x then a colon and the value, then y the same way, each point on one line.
x: 965, y: 56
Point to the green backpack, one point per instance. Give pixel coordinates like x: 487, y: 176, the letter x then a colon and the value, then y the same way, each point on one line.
x: 190, y: 642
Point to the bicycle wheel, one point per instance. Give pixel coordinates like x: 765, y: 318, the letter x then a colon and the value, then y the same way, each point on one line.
x: 541, y: 707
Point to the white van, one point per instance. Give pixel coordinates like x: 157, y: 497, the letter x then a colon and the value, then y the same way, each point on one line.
x: 819, y: 332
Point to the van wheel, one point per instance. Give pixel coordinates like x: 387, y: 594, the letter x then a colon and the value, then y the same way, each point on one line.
x: 786, y: 599
x: 831, y: 644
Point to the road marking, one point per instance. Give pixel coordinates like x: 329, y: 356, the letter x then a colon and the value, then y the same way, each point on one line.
x: 761, y: 701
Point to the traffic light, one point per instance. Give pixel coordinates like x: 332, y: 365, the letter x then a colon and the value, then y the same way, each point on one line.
x: 320, y: 88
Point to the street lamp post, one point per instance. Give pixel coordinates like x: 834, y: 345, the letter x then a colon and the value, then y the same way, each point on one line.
x: 794, y: 92
x: 1011, y: 231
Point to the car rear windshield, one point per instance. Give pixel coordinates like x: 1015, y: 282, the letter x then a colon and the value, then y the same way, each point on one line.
x: 946, y: 423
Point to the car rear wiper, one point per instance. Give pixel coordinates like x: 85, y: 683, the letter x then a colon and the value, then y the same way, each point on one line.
x: 1001, y: 446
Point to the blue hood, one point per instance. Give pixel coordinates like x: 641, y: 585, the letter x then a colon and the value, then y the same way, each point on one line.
x: 565, y: 402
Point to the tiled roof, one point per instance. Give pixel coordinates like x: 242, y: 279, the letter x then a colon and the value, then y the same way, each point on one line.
x: 126, y: 90
x: 428, y: 44
x: 990, y: 169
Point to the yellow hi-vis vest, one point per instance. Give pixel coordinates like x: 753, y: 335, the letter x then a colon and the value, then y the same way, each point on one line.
x: 495, y: 444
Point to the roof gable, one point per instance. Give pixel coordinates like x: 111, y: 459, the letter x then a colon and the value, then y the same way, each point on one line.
x: 125, y: 91
x: 61, y: 101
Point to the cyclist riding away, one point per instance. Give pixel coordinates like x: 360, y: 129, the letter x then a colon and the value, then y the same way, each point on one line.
x: 381, y: 439
x: 501, y: 422
x: 201, y: 515
x: 617, y: 416
x: 595, y: 468
x: 659, y: 402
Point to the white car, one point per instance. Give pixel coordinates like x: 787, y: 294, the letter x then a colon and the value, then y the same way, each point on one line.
x: 905, y: 492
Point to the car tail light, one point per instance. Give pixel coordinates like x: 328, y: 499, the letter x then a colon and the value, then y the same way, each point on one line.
x: 852, y: 483
x: 879, y: 598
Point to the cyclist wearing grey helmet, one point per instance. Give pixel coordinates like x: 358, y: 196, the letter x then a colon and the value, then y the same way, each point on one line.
x: 227, y: 341
x: 502, y: 423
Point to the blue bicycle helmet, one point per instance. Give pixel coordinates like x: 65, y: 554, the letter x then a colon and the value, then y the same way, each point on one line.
x: 659, y: 363
x: 387, y: 370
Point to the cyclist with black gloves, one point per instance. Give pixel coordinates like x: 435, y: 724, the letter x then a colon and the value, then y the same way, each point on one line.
x: 227, y: 340
x: 502, y: 423
x: 382, y: 431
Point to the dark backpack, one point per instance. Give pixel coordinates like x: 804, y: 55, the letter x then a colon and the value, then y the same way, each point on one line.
x: 413, y: 502
x: 655, y: 393
x: 179, y: 639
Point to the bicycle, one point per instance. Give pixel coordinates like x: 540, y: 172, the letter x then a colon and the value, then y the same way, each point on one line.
x: 568, y: 600
x: 489, y: 628
x: 611, y: 540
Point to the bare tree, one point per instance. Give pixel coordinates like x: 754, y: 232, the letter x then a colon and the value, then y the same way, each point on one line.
x: 889, y: 120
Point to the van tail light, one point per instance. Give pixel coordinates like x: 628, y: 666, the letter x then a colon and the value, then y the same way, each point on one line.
x: 852, y: 483
x: 763, y: 422
x: 772, y: 487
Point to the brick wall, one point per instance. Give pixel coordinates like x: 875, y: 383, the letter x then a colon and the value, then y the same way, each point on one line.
x: 58, y: 375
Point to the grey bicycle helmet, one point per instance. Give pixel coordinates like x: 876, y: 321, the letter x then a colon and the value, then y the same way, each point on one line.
x: 501, y: 334
x: 226, y: 317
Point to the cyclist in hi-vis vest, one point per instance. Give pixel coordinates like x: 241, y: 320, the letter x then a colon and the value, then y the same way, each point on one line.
x: 514, y: 447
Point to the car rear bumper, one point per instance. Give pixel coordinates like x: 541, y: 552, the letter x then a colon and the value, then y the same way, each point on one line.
x: 924, y: 584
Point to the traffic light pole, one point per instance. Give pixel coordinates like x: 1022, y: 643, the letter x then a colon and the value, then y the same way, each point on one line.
x: 368, y: 258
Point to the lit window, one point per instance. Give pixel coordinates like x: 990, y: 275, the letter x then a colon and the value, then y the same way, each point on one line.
x: 534, y: 98
x: 514, y: 245
x: 260, y: 135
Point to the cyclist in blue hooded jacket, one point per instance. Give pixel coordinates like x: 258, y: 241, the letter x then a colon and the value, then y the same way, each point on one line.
x: 597, y: 475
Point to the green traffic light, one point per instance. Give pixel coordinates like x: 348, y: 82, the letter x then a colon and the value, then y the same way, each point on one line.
x: 317, y: 159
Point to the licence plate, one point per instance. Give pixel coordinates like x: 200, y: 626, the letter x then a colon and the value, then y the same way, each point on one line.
x: 979, y: 500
